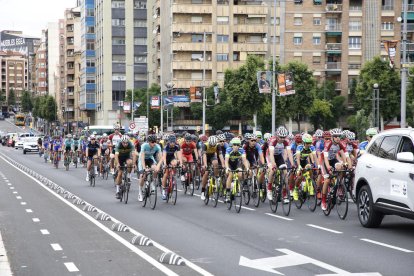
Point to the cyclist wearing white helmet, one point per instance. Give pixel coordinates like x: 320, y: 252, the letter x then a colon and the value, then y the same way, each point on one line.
x: 68, y: 146
x: 125, y: 155
x: 93, y: 151
x: 319, y: 144
x: 114, y: 138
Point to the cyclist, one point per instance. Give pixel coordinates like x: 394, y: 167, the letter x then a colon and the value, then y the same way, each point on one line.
x: 170, y: 157
x: 235, y: 158
x: 279, y: 151
x: 147, y: 160
x: 93, y: 151
x: 259, y: 136
x: 39, y: 145
x: 305, y: 159
x: 46, y: 142
x: 188, y: 148
x: 124, y: 154
x: 319, y: 142
x: 114, y: 138
x: 75, y: 148
x: 105, y: 149
x: 57, y: 148
x: 254, y: 153
x: 371, y: 132
x: 68, y: 146
x: 332, y: 148
x: 209, y: 155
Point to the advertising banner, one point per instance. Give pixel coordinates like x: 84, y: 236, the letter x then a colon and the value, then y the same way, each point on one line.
x: 196, y: 94
x: 155, y: 102
x: 391, y: 48
x: 264, y: 81
x: 285, y: 84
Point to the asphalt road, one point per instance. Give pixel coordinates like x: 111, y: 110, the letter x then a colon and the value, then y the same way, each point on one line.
x: 211, y: 240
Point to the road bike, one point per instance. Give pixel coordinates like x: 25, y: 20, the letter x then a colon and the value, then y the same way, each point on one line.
x: 46, y: 154
x: 105, y: 168
x: 56, y: 159
x: 125, y: 185
x: 188, y: 185
x: 337, y: 195
x: 349, y: 183
x: 171, y: 184
x: 67, y: 160
x: 235, y: 192
x: 150, y: 190
x: 92, y: 173
x: 306, y: 191
x: 280, y: 191
x: 213, y: 187
x: 257, y: 191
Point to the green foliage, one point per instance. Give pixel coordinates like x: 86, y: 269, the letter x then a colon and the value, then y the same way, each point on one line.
x: 320, y: 111
x: 388, y: 79
x: 11, y: 101
x: 359, y: 123
x: 2, y: 97
x: 45, y: 107
x: 26, y: 102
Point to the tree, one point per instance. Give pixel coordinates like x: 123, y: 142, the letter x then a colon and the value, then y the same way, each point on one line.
x: 26, y: 102
x: 11, y: 101
x: 388, y: 79
x: 297, y: 105
x: 2, y: 96
x: 359, y: 123
x: 320, y: 111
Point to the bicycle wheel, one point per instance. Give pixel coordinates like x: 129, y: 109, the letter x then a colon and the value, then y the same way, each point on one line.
x: 262, y: 190
x: 238, y: 197
x: 122, y: 191
x: 246, y: 193
x: 228, y: 198
x: 216, y: 192
x: 191, y: 183
x: 255, y: 192
x: 145, y: 193
x: 286, y: 201
x: 126, y: 196
x: 301, y: 198
x: 275, y: 198
x: 349, y: 186
x: 152, y: 195
x: 208, y: 192
x: 311, y: 195
x: 197, y: 178
x: 173, y: 192
x: 341, y: 200
x: 328, y: 202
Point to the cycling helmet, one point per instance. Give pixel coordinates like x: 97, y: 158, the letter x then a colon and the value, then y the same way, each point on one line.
x: 267, y: 136
x: 307, y: 138
x: 298, y: 138
x: 193, y: 138
x: 235, y: 141
x: 69, y: 136
x: 212, y: 141
x: 258, y: 134
x: 219, y: 132
x: 291, y: 137
x: 152, y: 138
x: 221, y: 137
x: 248, y: 136
x: 165, y: 137
x: 371, y: 132
x: 351, y: 135
x: 345, y: 133
x: 336, y: 132
x: 104, y: 135
x: 203, y: 138
x: 76, y: 137
x: 319, y: 133
x: 172, y: 139
x: 327, y: 134
x: 92, y: 137
x: 282, y: 132
x: 187, y: 137
x: 228, y: 136
x: 116, y: 126
x: 124, y: 138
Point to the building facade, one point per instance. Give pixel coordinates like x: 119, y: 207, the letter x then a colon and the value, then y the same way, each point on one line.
x: 40, y: 76
x: 14, y: 74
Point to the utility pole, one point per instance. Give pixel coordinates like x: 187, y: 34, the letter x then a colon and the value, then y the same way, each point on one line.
x: 274, y: 73
x: 403, y: 67
x: 204, y: 85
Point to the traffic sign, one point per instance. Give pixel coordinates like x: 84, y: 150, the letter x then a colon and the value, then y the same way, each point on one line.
x: 132, y: 125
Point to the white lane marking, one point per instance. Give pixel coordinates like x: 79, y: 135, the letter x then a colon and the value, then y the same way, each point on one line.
x: 23, y: 203
x: 323, y: 228
x: 116, y: 236
x: 388, y: 245
x: 18, y: 197
x: 29, y: 211
x: 71, y: 267
x: 9, y: 184
x: 11, y: 188
x: 35, y: 219
x: 5, y: 269
x: 280, y: 217
x: 15, y: 192
x: 44, y: 232
x: 247, y: 208
x: 56, y: 247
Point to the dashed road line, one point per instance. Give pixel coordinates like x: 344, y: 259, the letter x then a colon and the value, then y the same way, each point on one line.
x: 44, y: 231
x: 35, y: 219
x: 23, y: 203
x: 15, y: 192
x: 18, y: 197
x: 56, y: 247
x: 29, y: 211
x: 71, y: 267
x: 323, y: 228
x: 11, y: 188
x: 388, y: 245
x: 280, y: 217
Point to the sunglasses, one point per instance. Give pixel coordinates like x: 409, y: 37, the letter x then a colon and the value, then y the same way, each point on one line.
x: 152, y: 142
x: 238, y: 145
x: 253, y: 140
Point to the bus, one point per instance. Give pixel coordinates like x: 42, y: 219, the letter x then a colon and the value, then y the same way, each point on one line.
x: 20, y: 120
x: 100, y: 130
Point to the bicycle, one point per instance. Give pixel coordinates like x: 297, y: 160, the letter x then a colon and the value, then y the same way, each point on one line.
x: 188, y: 185
x: 56, y: 159
x: 46, y: 154
x: 92, y: 174
x: 198, y: 175
x: 150, y: 190
x: 306, y: 191
x: 125, y: 185
x: 105, y: 168
x: 349, y: 183
x: 235, y: 192
x: 337, y: 195
x: 213, y: 187
x: 257, y: 192
x: 280, y: 192
x: 171, y: 185
x: 67, y: 160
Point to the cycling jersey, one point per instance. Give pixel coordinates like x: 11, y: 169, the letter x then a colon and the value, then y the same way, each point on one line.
x: 252, y: 153
x: 293, y: 147
x: 188, y: 149
x: 235, y: 157
x: 304, y: 154
x: 137, y: 145
x: 149, y: 152
x: 319, y: 145
x: 331, y: 149
x: 209, y: 150
x: 280, y: 146
x: 115, y: 138
x: 46, y: 142
x: 124, y: 152
x: 104, y: 144
x: 363, y: 145
x: 57, y: 144
x: 170, y: 152
x: 68, y: 144
x: 92, y: 148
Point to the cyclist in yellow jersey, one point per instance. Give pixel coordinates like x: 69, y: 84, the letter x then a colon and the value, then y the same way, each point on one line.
x: 209, y: 153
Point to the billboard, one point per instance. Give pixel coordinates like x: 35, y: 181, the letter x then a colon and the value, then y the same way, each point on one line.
x: 285, y: 84
x: 155, y: 102
x: 264, y: 81
x: 196, y: 94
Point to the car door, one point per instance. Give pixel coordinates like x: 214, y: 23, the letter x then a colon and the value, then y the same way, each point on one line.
x: 367, y: 165
x: 402, y: 185
x: 387, y: 166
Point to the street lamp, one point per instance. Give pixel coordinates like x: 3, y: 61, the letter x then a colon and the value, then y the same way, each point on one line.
x: 404, y: 69
x: 375, y: 106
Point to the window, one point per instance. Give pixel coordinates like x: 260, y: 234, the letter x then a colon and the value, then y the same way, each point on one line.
x: 255, y: 39
x: 118, y: 76
x: 317, y: 2
x: 387, y: 26
x: 196, y: 1
x: 317, y: 21
x: 236, y: 56
x: 222, y: 38
x: 354, y: 42
x: 90, y: 44
x: 118, y: 41
x: 222, y: 57
x: 142, y: 5
x: 406, y: 145
x: 298, y: 2
x: 140, y: 23
x: 388, y: 147
x: 316, y: 59
x: 118, y: 4
x: 196, y: 19
x: 118, y: 22
x: 355, y: 25
x: 316, y: 40
x: 90, y: 63
x: 373, y: 149
x: 140, y: 77
x: 196, y: 38
x: 118, y: 58
x: 272, y: 21
x: 140, y: 59
x: 297, y: 21
x: 197, y: 56
x: 196, y: 75
x: 90, y: 12
x: 222, y: 19
x: 297, y: 39
x: 140, y: 41
x: 222, y: 2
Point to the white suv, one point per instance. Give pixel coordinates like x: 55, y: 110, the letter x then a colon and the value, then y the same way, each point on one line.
x: 384, y: 177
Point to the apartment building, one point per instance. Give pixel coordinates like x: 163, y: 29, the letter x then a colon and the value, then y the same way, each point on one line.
x: 121, y: 55
x: 39, y: 84
x: 14, y: 74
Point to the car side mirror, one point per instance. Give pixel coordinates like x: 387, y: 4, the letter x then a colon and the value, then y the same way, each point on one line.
x: 407, y: 157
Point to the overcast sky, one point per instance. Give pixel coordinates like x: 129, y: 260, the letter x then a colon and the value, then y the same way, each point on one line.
x: 31, y: 16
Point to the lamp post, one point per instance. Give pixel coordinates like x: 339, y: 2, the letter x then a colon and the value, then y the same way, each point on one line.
x: 375, y: 106
x: 170, y: 87
x: 404, y: 69
x: 274, y: 72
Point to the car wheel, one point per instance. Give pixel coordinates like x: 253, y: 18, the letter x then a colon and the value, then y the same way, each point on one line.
x: 24, y: 151
x: 368, y: 216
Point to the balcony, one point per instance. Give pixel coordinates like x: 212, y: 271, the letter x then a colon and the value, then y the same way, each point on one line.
x: 333, y: 30
x: 333, y: 8
x: 188, y: 7
x: 186, y: 83
x: 250, y: 47
x: 410, y: 27
x: 189, y: 46
x: 338, y: 85
x: 250, y: 28
x: 192, y: 28
x: 192, y: 65
x: 333, y: 67
x: 250, y: 9
x: 333, y: 48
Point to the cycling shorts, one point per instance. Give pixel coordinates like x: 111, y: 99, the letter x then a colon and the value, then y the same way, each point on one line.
x: 324, y: 169
x: 189, y: 157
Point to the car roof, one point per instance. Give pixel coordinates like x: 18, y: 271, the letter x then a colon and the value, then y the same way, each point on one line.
x: 399, y: 131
